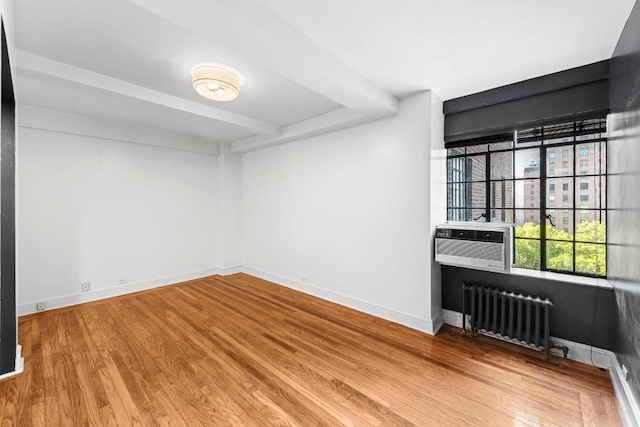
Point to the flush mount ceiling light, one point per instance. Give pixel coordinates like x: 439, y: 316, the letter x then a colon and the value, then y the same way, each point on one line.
x: 216, y: 82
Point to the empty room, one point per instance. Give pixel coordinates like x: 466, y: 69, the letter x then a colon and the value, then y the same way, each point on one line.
x: 278, y: 212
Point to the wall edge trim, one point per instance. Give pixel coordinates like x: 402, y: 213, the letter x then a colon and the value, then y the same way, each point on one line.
x: 628, y: 405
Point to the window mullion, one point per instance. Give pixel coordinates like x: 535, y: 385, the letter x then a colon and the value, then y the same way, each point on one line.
x: 487, y: 211
x: 575, y: 200
x: 543, y: 206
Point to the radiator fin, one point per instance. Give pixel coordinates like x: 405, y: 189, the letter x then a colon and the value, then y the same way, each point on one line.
x: 517, y: 317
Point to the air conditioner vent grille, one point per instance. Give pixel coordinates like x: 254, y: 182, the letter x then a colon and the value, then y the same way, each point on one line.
x: 469, y: 249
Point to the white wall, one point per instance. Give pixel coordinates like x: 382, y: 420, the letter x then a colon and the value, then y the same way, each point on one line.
x: 229, y: 201
x: 101, y: 209
x: 347, y: 215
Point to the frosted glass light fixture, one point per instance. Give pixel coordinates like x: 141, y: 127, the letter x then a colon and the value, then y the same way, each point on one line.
x: 216, y: 82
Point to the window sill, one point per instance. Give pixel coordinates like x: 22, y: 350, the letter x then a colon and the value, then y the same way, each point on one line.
x: 568, y: 278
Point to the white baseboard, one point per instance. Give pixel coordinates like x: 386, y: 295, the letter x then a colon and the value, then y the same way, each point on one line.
x: 629, y: 407
x: 19, y: 366
x: 65, y: 301
x: 577, y: 352
x: 226, y: 271
x: 428, y: 326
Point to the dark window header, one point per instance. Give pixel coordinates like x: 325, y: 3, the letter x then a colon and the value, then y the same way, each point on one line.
x: 571, y: 95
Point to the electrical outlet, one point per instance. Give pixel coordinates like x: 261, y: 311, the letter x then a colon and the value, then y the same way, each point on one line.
x: 40, y: 306
x: 86, y: 286
x: 123, y: 281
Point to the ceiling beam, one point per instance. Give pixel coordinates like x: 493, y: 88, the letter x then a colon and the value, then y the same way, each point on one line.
x: 254, y: 31
x: 41, y: 66
x: 328, y: 122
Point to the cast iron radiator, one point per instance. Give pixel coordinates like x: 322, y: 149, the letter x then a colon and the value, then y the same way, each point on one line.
x: 522, y: 319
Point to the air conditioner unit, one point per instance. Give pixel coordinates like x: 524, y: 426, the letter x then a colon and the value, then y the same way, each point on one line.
x: 482, y: 246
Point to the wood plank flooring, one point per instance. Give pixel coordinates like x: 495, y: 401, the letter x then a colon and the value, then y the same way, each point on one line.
x: 241, y: 351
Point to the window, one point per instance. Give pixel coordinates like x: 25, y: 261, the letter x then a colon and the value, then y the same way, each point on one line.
x: 511, y: 179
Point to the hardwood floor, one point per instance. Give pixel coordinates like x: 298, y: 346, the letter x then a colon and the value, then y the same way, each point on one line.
x: 240, y: 351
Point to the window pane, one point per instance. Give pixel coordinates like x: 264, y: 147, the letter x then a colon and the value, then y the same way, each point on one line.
x: 591, y: 226
x: 476, y: 195
x: 560, y: 256
x: 527, y: 194
x: 527, y: 253
x: 562, y: 194
x: 527, y: 223
x: 527, y: 164
x: 457, y: 195
x: 603, y: 157
x: 591, y: 259
x: 476, y: 215
x: 590, y: 129
x: 480, y: 148
x: 501, y: 145
x: 476, y: 168
x: 565, y: 166
x: 501, y: 194
x: 555, y: 134
x: 456, y: 151
x: 456, y: 169
x: 502, y: 165
x: 456, y: 214
x: 528, y: 137
x: 589, y: 161
x: 562, y: 228
x: 590, y: 193
x: 502, y: 215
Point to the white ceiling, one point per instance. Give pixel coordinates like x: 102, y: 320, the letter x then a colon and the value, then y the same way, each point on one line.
x: 309, y: 66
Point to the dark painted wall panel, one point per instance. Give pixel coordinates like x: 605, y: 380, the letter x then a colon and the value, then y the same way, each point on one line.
x: 582, y: 314
x: 623, y: 199
x: 7, y: 220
